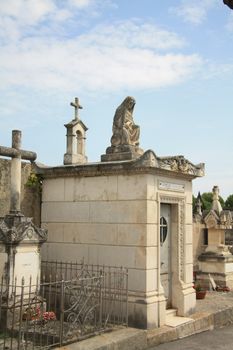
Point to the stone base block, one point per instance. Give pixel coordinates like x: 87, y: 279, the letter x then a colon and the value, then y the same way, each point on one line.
x: 221, y: 279
x: 118, y: 157
x: 74, y: 159
x: 147, y: 313
x: 184, y: 300
x: 122, y: 152
x: 142, y: 315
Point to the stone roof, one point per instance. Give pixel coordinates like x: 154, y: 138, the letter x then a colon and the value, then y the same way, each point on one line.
x: 149, y: 162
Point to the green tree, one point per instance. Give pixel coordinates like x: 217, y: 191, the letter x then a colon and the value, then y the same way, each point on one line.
x: 229, y: 202
x: 207, y: 199
x: 194, y: 204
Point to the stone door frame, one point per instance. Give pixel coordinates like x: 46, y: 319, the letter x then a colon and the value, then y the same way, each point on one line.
x: 176, y: 247
x: 165, y: 252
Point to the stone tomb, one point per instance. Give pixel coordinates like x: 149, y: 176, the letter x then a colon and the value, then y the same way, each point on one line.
x: 217, y: 260
x: 132, y: 210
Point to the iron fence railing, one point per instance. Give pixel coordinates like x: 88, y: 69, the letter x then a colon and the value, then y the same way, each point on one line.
x: 73, y: 301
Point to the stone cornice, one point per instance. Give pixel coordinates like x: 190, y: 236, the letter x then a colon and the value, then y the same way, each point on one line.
x: 148, y: 163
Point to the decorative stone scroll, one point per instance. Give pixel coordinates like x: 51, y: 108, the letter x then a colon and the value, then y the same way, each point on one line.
x: 14, y: 230
x: 177, y: 164
x: 180, y: 164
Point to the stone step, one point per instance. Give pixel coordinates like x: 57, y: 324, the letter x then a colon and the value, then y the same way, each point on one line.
x: 171, y: 312
x: 175, y: 321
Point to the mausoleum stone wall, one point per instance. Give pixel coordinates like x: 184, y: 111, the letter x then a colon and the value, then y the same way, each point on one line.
x: 30, y: 197
x: 113, y: 220
x: 198, y: 243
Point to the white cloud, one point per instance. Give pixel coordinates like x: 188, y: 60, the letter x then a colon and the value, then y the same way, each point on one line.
x: 194, y: 12
x: 20, y: 18
x: 27, y: 11
x: 109, y: 58
x: 44, y: 48
x: 80, y: 3
x: 132, y: 34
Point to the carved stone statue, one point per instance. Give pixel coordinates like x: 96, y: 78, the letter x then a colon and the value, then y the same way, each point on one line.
x: 125, y: 132
x: 216, y: 205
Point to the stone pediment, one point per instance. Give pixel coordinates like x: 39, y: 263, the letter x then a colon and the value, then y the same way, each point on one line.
x: 19, y: 229
x: 177, y: 164
x: 74, y: 123
x: 211, y: 220
x: 148, y: 158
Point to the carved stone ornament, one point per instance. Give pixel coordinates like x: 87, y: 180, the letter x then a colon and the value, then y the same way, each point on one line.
x: 180, y: 164
x: 14, y: 230
x: 211, y: 220
x: 226, y: 219
x: 176, y: 164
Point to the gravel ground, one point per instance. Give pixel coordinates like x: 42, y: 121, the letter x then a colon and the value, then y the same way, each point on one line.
x: 215, y: 301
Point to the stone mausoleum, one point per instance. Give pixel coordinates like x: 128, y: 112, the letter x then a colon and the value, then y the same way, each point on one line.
x: 131, y: 209
x: 213, y: 231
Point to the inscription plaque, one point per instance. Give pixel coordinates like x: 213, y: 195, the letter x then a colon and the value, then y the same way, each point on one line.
x: 169, y: 186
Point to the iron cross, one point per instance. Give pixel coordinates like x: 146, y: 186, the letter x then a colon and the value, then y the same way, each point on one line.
x: 76, y: 106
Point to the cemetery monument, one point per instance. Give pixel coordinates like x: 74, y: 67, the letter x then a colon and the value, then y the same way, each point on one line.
x: 132, y: 209
x: 20, y: 239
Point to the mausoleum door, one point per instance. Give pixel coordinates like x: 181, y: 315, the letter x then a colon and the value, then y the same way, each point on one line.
x: 165, y: 243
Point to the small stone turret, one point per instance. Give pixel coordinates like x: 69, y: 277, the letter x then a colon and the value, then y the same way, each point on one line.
x: 76, y: 137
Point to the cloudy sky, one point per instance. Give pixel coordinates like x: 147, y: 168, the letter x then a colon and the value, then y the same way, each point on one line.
x: 174, y: 56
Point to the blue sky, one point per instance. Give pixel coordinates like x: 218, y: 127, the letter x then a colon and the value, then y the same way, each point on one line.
x: 174, y: 56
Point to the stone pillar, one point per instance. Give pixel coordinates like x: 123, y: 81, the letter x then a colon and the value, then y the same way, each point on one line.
x: 15, y: 173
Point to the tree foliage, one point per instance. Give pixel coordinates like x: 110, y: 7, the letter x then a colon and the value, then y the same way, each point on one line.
x: 229, y: 202
x: 207, y: 200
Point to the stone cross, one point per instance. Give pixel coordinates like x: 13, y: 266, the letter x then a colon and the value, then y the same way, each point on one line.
x: 76, y: 106
x: 16, y: 153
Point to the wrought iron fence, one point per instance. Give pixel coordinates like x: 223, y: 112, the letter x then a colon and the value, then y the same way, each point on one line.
x: 73, y: 301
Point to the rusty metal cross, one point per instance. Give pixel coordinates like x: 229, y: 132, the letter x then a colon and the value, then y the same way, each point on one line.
x: 16, y: 154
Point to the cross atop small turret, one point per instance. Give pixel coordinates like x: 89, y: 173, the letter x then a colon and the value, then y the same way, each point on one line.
x: 76, y: 106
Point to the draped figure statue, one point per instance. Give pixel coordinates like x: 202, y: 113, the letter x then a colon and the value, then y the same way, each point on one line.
x: 125, y: 131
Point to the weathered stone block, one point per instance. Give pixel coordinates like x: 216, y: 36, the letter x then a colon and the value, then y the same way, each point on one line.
x: 65, y: 212
x: 53, y: 190
x: 118, y: 212
x: 99, y: 188
x: 132, y: 187
x: 132, y: 234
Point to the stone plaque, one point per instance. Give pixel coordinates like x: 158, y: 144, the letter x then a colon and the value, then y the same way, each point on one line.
x: 169, y: 186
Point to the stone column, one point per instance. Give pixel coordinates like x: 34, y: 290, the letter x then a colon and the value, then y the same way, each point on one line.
x: 16, y: 173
